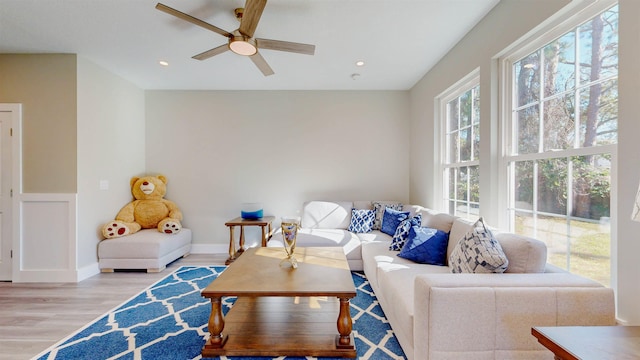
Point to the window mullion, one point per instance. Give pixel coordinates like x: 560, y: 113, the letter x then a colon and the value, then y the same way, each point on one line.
x: 569, y: 209
x: 535, y: 199
x: 458, y: 145
x: 473, y: 122
x: 468, y: 201
x: 577, y: 119
x: 541, y: 104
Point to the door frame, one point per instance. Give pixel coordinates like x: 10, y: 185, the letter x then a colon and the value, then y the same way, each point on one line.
x: 15, y: 182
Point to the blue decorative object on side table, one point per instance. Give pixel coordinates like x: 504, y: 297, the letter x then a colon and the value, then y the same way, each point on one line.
x: 251, y: 211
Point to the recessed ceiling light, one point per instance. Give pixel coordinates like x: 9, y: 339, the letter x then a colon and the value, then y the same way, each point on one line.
x: 359, y: 63
x: 163, y: 63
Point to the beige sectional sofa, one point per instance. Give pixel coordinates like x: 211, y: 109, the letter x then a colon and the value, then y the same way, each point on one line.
x: 437, y: 314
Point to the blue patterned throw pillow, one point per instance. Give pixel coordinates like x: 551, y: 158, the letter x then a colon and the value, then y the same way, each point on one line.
x: 391, y: 219
x: 426, y: 246
x: 478, y: 252
x: 402, y: 232
x: 361, y: 220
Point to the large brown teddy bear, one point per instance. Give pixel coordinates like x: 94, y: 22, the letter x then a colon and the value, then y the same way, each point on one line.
x: 149, y: 210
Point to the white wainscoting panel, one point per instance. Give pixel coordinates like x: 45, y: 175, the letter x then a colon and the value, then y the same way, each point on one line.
x: 46, y: 236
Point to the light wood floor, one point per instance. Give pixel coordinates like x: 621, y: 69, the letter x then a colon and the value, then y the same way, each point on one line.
x: 34, y: 316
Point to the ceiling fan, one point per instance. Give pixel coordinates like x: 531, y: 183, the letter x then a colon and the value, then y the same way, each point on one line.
x: 241, y: 40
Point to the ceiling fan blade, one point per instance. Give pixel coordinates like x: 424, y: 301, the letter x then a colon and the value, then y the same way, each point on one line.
x: 211, y: 53
x: 251, y: 16
x: 191, y: 19
x: 261, y: 63
x: 279, y: 45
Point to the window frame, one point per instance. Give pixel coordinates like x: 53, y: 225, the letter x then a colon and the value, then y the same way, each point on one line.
x: 469, y: 82
x: 507, y: 105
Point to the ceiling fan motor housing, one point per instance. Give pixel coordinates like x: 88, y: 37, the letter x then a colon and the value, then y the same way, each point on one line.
x: 242, y: 45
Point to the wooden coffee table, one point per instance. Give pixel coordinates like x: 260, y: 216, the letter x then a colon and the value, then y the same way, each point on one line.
x: 283, y: 311
x: 590, y: 342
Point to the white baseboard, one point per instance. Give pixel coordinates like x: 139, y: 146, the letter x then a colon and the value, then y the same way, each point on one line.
x: 209, y: 249
x: 48, y: 276
x: 88, y: 271
x: 54, y: 275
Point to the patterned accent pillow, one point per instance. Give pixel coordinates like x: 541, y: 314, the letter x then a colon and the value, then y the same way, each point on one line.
x: 402, y: 232
x: 426, y: 246
x: 379, y: 207
x: 478, y: 252
x: 361, y: 220
x: 391, y: 219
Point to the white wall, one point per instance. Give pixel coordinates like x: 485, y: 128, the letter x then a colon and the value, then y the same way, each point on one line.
x: 222, y: 148
x: 111, y: 138
x: 628, y: 245
x: 507, y: 22
x: 45, y: 85
x: 505, y: 25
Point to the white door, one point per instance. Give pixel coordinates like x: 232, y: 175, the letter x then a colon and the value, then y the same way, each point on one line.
x: 8, y: 112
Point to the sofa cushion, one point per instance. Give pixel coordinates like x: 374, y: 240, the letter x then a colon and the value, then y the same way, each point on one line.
x: 323, y: 237
x: 402, y: 232
x: 526, y: 255
x: 391, y: 219
x: 361, y: 220
x: 380, y: 259
x: 436, y: 220
x: 144, y: 244
x: 379, y: 207
x: 426, y: 246
x: 361, y: 204
x: 147, y: 249
x: 326, y: 214
x: 412, y: 209
x: 478, y: 252
x: 375, y: 236
x: 395, y: 282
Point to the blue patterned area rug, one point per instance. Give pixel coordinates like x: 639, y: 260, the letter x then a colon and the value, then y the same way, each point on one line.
x: 168, y: 320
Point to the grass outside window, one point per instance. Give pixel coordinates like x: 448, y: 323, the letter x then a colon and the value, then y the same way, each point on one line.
x: 581, y: 247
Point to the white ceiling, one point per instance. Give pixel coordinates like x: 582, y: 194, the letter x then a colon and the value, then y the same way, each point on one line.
x: 400, y: 40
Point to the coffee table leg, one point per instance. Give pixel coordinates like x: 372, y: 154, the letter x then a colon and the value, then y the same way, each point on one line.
x: 216, y: 325
x: 344, y: 340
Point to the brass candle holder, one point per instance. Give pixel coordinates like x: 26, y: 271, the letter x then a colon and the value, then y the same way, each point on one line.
x: 290, y: 227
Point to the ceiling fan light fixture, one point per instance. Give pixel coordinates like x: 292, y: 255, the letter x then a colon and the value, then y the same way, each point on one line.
x: 242, y: 45
x: 241, y: 40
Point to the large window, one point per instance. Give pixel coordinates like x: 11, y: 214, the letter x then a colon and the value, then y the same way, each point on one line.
x: 460, y: 112
x: 562, y: 142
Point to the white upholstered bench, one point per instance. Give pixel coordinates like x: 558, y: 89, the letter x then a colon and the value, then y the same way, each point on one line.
x: 147, y: 249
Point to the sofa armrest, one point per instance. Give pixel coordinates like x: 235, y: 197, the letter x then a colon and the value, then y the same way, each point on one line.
x: 490, y: 315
